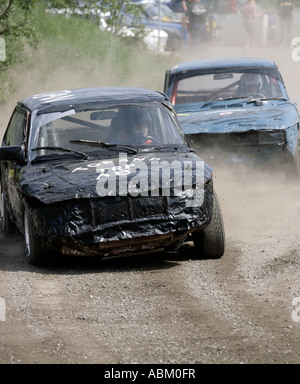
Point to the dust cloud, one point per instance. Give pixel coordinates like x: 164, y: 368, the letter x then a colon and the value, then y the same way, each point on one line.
x: 255, y: 204
x: 236, y: 309
x: 46, y: 71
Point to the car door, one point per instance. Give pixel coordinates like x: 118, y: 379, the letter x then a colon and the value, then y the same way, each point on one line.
x: 10, y: 170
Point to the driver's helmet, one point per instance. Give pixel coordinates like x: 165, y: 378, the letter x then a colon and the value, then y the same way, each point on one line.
x: 250, y: 83
x: 141, y: 127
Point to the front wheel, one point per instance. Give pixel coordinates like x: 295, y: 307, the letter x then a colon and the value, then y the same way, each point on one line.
x: 36, y: 254
x: 210, y: 242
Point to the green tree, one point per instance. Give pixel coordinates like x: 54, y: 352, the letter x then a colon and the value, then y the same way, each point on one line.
x: 16, y: 28
x: 112, y: 12
x: 116, y: 9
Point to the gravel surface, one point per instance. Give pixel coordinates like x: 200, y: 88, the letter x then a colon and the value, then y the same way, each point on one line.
x: 168, y: 308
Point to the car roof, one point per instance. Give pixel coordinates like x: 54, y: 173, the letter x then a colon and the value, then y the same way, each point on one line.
x: 220, y: 63
x: 65, y: 99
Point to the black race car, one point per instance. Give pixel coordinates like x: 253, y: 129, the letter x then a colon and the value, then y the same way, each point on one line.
x: 102, y: 172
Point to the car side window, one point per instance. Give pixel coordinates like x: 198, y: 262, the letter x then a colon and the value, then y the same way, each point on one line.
x: 15, y: 133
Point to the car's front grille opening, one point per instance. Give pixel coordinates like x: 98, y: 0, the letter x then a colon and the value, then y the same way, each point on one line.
x: 114, y: 209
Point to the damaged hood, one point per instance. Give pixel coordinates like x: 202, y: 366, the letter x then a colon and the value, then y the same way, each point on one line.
x: 222, y: 118
x: 56, y: 181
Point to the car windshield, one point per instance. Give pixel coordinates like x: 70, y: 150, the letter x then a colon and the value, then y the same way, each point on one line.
x: 206, y: 87
x: 125, y: 127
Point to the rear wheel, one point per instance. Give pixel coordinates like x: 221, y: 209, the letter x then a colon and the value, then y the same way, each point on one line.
x: 210, y: 242
x: 35, y: 253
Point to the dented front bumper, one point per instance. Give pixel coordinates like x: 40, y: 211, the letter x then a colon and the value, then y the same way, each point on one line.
x: 115, y: 225
x: 273, y: 147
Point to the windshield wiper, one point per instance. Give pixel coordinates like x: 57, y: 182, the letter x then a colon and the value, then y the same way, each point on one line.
x: 266, y: 98
x: 168, y: 147
x: 223, y: 99
x: 102, y: 144
x: 54, y: 148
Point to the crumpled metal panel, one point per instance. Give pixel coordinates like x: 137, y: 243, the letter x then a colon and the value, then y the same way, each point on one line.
x: 272, y: 127
x: 56, y: 181
x: 69, y: 215
x: 79, y: 222
x: 255, y: 127
x: 269, y: 116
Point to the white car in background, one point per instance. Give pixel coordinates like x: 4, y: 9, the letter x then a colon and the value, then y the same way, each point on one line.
x: 153, y: 38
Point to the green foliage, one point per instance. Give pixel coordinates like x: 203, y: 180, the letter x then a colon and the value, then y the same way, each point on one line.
x: 115, y: 8
x: 25, y: 23
x: 76, y: 40
x: 61, y: 3
x: 16, y: 27
x: 78, y: 34
x: 92, y: 9
x: 74, y: 52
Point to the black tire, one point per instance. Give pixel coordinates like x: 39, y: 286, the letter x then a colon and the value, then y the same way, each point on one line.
x: 36, y: 254
x: 210, y: 242
x: 7, y: 226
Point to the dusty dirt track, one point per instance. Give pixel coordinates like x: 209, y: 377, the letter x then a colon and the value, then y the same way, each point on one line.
x: 171, y: 308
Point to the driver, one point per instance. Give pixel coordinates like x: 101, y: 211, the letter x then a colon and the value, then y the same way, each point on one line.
x: 130, y: 126
x: 141, y: 131
x: 250, y: 84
